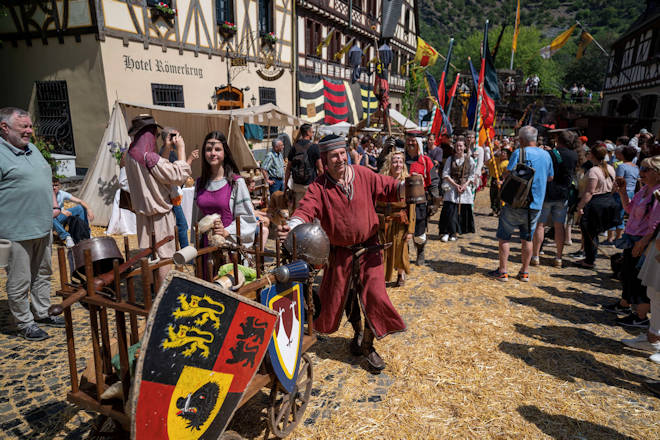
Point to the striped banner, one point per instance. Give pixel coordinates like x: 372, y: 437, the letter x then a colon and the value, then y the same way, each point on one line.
x: 336, y: 102
x: 354, y: 94
x: 369, y: 100
x: 311, y: 98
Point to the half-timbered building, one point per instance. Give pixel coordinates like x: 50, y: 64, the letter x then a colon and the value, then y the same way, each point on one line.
x: 632, y: 85
x: 326, y: 30
x: 69, y: 60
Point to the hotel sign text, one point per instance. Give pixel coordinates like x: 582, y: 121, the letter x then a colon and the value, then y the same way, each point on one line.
x: 157, y: 65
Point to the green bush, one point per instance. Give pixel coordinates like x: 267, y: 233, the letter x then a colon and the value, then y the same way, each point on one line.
x: 46, y: 149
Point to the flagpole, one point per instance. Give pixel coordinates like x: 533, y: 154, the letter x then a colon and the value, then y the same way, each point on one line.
x: 511, y: 66
x: 481, y: 83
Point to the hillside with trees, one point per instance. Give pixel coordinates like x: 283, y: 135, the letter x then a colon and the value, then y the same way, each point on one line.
x: 541, y: 21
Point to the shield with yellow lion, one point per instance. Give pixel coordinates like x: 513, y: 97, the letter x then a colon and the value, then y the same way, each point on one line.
x: 201, y: 348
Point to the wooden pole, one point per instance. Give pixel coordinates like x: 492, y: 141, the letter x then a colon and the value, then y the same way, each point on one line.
x: 68, y: 321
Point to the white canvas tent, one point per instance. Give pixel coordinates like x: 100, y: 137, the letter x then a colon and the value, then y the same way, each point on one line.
x: 101, y: 181
x: 340, y: 129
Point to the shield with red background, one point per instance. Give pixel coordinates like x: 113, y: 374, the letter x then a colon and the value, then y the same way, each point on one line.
x: 201, y: 348
x: 285, y: 349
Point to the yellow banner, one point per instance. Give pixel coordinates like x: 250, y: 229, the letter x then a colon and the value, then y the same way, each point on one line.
x: 557, y: 43
x: 585, y: 39
x: 324, y: 43
x: 344, y: 49
x: 516, y: 29
x: 426, y: 55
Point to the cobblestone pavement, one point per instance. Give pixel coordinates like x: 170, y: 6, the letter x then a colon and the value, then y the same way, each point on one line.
x: 527, y: 360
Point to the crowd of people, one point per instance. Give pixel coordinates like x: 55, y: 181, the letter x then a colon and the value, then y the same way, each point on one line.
x: 355, y: 189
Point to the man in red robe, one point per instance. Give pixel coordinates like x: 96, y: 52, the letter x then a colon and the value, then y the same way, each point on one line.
x: 342, y: 199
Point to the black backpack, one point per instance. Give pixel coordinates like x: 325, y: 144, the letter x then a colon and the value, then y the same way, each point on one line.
x: 516, y: 189
x: 301, y: 170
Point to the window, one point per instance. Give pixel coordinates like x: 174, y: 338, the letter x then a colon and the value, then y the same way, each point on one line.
x: 54, y: 122
x: 372, y: 7
x: 647, y: 106
x: 628, y: 54
x: 334, y: 47
x: 406, y: 21
x: 394, y: 67
x: 265, y: 16
x: 153, y: 3
x: 267, y: 96
x: 167, y: 94
x: 224, y: 11
x: 357, y: 5
x: 644, y: 47
x: 312, y: 36
x: 616, y: 63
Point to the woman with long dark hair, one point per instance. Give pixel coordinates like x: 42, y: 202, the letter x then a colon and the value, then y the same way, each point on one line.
x: 221, y: 190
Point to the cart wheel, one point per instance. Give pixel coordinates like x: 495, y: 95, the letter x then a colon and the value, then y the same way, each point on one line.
x: 286, y: 409
x: 231, y: 435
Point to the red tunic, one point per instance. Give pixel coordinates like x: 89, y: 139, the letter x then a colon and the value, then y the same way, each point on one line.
x: 350, y: 222
x: 423, y: 167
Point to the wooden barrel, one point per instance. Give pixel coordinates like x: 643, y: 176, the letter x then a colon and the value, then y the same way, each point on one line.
x: 415, y: 190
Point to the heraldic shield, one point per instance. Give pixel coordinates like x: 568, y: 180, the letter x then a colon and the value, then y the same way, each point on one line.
x: 285, y: 349
x: 201, y: 348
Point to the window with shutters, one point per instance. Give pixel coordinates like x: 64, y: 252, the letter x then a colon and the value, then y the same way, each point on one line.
x: 54, y: 121
x: 312, y: 36
x: 265, y: 17
x: 170, y: 95
x: 224, y: 11
x: 334, y: 47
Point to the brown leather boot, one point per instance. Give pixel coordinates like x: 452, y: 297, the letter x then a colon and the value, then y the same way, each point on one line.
x: 356, y: 343
x: 376, y: 363
x: 420, y: 260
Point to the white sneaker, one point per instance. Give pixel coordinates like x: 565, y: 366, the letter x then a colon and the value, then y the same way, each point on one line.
x: 535, y: 261
x: 445, y: 238
x: 655, y: 358
x: 452, y: 238
x: 641, y: 342
x: 69, y: 242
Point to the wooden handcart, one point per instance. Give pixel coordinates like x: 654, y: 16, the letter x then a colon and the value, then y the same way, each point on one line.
x: 128, y: 292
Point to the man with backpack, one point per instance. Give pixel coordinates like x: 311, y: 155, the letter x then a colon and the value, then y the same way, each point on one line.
x: 555, y: 206
x: 304, y: 163
x: 529, y: 171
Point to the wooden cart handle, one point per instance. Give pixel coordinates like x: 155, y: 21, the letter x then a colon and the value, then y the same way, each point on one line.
x: 105, y: 279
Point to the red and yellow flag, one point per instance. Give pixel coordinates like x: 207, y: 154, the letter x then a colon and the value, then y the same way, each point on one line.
x: 426, y: 55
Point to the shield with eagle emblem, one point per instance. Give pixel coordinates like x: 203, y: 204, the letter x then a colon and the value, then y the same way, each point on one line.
x: 285, y: 349
x: 201, y: 348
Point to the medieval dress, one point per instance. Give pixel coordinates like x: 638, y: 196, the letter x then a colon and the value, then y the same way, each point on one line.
x: 348, y: 217
x: 397, y: 219
x: 150, y: 178
x: 456, y: 216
